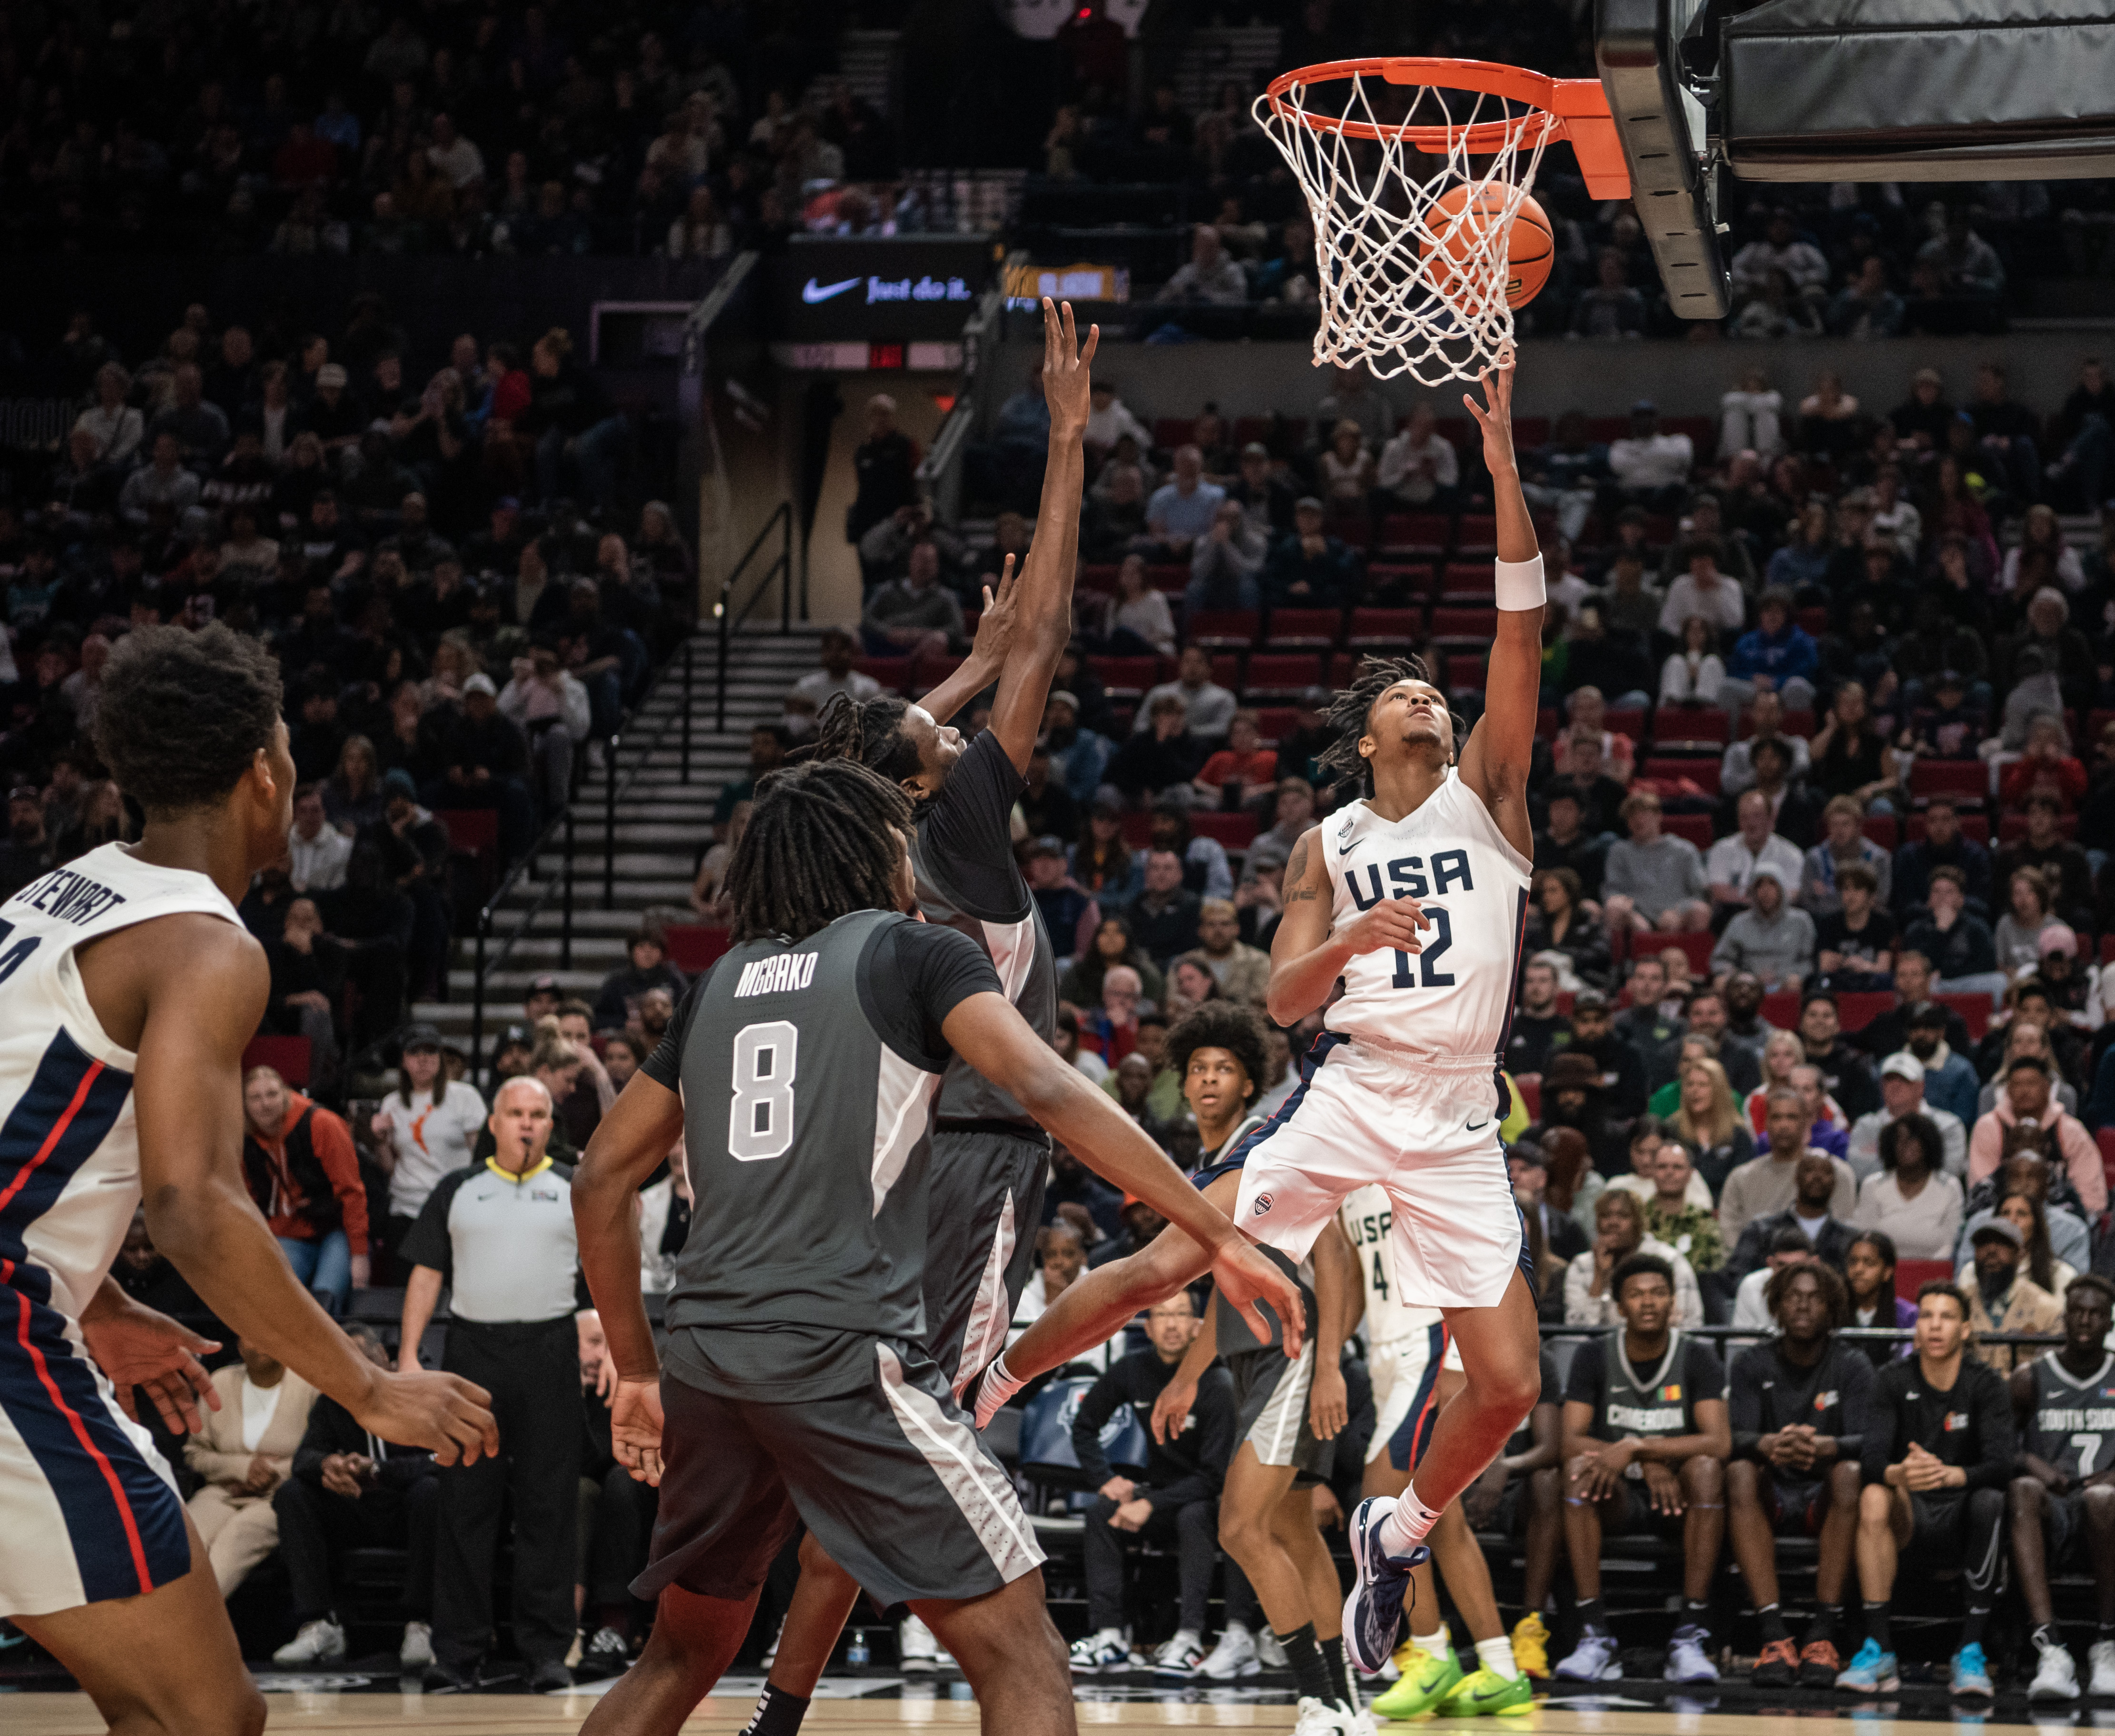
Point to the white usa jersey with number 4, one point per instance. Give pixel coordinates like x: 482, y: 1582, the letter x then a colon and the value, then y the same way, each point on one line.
x: 1455, y: 997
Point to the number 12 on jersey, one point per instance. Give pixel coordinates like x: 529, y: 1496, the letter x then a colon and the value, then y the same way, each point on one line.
x: 760, y: 1116
x: 1443, y: 927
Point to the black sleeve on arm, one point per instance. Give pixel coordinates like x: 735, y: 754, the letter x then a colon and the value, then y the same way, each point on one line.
x: 1996, y: 1439
x: 919, y: 973
x: 1097, y: 1405
x: 1881, y: 1423
x: 1856, y: 1382
x: 1583, y: 1386
x: 1705, y: 1373
x: 428, y: 1242
x: 331, y: 1429
x: 664, y: 1066
x: 967, y: 833
x: 1743, y: 1402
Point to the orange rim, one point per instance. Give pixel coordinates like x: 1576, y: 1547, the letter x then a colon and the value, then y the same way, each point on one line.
x: 1575, y: 109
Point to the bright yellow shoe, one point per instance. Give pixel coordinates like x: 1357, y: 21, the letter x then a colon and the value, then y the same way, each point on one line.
x: 1482, y: 1694
x: 1531, y: 1647
x: 1425, y: 1681
x: 1406, y: 1655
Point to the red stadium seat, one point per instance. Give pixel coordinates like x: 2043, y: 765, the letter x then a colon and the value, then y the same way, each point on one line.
x: 1137, y: 829
x: 1171, y: 431
x: 1911, y: 1275
x: 1103, y: 578
x: 1408, y: 578
x: 1883, y: 828
x: 2105, y: 1139
x: 288, y: 1057
x: 1385, y: 629
x: 893, y: 673
x: 1278, y: 674
x: 1466, y: 671
x: 1965, y: 780
x: 1814, y: 620
x: 1703, y: 774
x: 2012, y: 826
x: 1170, y: 578
x: 1319, y: 628
x: 1974, y: 827
x: 1467, y: 582
x: 1799, y: 723
x: 1231, y: 831
x: 1231, y: 628
x: 1407, y: 535
x: 1696, y: 947
x: 1225, y: 670
x: 2108, y: 949
x: 1625, y: 720
x: 1696, y: 827
x: 1781, y: 1009
x: 932, y: 668
x: 1531, y: 1096
x: 1676, y: 727
x: 1859, y: 1010
x: 1546, y: 721
x: 1343, y: 665
x: 693, y: 947
x: 1974, y: 1011
x: 1277, y: 722
x: 1476, y: 534
x: 1464, y: 627
x: 1125, y: 677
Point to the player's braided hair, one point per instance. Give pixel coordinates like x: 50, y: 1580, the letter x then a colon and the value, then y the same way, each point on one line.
x: 182, y: 714
x: 868, y: 731
x: 1835, y: 1294
x: 818, y: 846
x: 1352, y: 707
x: 1222, y: 1024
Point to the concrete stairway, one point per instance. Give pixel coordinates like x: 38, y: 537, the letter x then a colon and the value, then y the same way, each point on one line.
x: 662, y: 825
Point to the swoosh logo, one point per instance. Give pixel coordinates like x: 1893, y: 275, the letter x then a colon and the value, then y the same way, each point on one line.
x: 1477, y: 1126
x: 811, y: 291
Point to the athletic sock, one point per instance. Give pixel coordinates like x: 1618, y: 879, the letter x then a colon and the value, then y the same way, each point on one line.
x: 1978, y: 1619
x: 1303, y: 1657
x: 1593, y: 1615
x: 1828, y: 1622
x: 2047, y: 1638
x: 1497, y: 1656
x: 1696, y: 1612
x: 1340, y: 1677
x: 1434, y: 1644
x: 778, y: 1713
x: 1876, y: 1625
x: 1407, y: 1527
x: 1773, y: 1624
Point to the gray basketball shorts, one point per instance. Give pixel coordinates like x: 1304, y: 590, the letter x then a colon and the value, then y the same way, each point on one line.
x: 891, y: 1478
x: 1270, y: 1410
x: 985, y: 1187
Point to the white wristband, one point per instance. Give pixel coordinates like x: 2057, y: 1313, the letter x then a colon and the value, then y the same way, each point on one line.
x: 1520, y: 586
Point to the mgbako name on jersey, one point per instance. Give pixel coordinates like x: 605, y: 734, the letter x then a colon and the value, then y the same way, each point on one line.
x: 779, y: 976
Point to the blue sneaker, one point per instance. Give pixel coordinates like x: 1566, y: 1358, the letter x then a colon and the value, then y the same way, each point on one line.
x: 1872, y: 1671
x: 1373, y: 1614
x: 1971, y: 1675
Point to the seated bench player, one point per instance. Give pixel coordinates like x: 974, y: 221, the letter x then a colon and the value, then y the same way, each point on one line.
x: 2064, y: 1498
x: 1645, y: 1441
x: 1798, y: 1405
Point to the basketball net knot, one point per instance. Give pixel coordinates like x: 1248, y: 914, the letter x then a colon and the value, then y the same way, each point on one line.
x: 1413, y: 223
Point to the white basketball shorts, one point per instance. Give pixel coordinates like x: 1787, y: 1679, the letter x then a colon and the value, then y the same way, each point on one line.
x: 1426, y: 1129
x: 1405, y: 1376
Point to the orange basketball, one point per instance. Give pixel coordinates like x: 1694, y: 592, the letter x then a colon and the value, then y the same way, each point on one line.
x: 1530, y: 247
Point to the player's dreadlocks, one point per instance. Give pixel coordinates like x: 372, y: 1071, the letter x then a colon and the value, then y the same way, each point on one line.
x: 818, y: 846
x: 1351, y: 708
x: 868, y: 731
x: 1230, y: 1025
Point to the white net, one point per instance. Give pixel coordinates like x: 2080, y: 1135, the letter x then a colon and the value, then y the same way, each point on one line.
x: 1409, y: 284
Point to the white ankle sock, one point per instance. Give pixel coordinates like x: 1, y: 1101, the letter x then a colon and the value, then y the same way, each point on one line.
x: 1432, y: 1645
x: 1497, y: 1656
x: 1407, y: 1527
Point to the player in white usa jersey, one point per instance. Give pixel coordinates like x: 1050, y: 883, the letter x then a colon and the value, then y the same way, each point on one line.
x: 132, y: 991
x: 1422, y: 922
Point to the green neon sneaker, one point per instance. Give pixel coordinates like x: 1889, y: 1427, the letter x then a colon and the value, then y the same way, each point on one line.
x: 1483, y: 1693
x: 1422, y: 1686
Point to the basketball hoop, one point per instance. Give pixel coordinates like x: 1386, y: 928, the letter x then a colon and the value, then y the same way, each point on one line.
x: 1414, y: 198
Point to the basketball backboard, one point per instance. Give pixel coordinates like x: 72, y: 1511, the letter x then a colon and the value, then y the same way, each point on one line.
x: 1828, y: 90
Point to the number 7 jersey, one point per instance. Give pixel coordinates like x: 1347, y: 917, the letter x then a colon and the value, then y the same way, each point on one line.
x: 1455, y: 997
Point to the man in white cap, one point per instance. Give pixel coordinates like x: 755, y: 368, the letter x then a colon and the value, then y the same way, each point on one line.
x: 1901, y: 1092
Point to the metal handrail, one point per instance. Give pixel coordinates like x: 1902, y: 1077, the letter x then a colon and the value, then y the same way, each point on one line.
x: 782, y: 569
x: 612, y: 790
x: 486, y: 962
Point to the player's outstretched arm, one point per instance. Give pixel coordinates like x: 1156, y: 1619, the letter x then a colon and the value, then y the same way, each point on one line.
x: 204, y: 984
x: 1494, y: 763
x: 1044, y: 603
x: 1307, y: 955
x: 987, y: 1032
x: 626, y: 1146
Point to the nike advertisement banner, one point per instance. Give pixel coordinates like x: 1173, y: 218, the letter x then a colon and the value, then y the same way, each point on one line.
x: 884, y: 290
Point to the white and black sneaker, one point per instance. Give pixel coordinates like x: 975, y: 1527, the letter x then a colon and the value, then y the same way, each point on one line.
x: 1181, y: 1657
x: 416, y: 1650
x: 1101, y: 1653
x: 1234, y: 1658
x: 917, y: 1652
x: 320, y: 1642
x: 604, y: 1655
